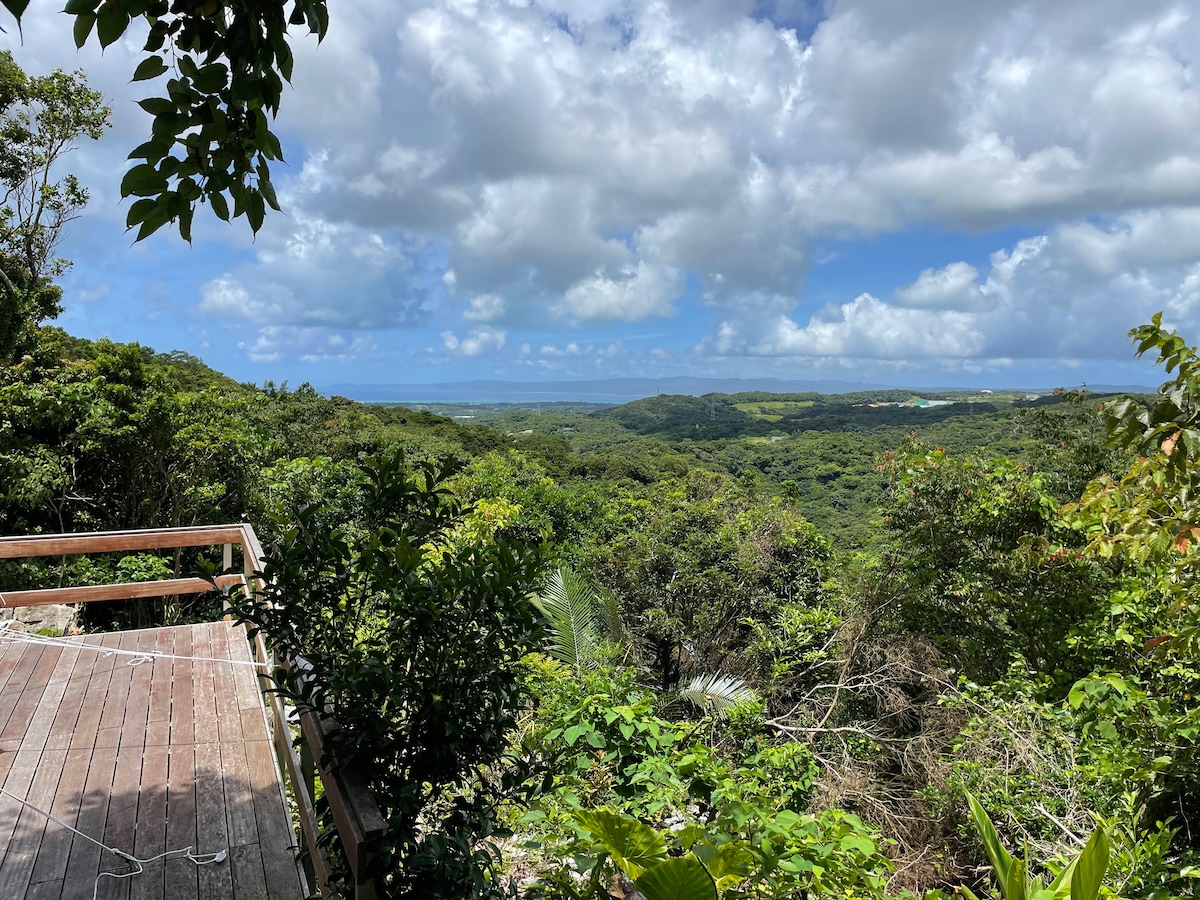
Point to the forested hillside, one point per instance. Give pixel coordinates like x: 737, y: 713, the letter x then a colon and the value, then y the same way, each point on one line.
x: 778, y: 638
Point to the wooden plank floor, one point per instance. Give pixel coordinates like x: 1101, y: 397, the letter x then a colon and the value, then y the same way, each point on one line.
x: 146, y: 758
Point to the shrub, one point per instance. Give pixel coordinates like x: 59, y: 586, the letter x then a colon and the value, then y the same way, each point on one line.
x: 412, y: 628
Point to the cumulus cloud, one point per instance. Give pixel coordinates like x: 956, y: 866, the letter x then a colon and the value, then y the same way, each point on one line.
x: 486, y: 308
x: 479, y: 342
x: 634, y: 293
x: 318, y: 272
x: 951, y: 287
x: 490, y: 167
x: 589, y: 154
x: 1071, y: 293
x: 318, y: 345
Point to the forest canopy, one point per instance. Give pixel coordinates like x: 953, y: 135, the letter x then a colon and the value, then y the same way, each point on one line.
x: 998, y: 604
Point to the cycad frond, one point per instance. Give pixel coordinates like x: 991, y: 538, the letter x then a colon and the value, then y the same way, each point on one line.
x: 617, y: 633
x: 575, y: 616
x: 717, y: 692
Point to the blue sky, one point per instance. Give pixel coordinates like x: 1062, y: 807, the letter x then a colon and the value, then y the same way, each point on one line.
x: 926, y: 193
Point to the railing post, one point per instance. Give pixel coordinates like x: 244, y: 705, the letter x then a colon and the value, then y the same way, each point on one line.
x: 226, y: 565
x: 366, y: 891
x: 309, y: 767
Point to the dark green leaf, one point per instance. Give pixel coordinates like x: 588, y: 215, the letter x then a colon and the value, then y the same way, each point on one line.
x: 256, y: 210
x: 111, y: 23
x: 139, y: 211
x: 157, y: 218
x: 268, y: 192
x: 83, y: 27
x: 142, y: 181
x: 272, y: 149
x: 322, y: 19
x: 211, y: 78
x: 150, y: 67
x: 157, y: 106
x: 185, y: 223
x: 220, y: 206
x: 152, y: 149
x: 75, y: 7
x: 168, y: 124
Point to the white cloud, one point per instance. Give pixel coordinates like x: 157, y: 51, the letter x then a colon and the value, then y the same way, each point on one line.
x: 480, y: 342
x: 1072, y: 293
x: 568, y: 165
x: 494, y: 166
x: 274, y: 343
x: 630, y: 295
x: 571, y: 349
x: 486, y: 308
x: 312, y: 271
x: 951, y: 287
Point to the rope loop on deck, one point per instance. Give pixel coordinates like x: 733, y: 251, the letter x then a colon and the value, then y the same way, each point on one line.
x: 201, y: 859
x: 139, y: 656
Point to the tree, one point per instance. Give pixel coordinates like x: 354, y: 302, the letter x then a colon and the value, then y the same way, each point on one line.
x: 695, y: 560
x: 41, y: 119
x: 210, y: 141
x: 983, y: 564
x: 412, y: 630
x: 1151, y: 515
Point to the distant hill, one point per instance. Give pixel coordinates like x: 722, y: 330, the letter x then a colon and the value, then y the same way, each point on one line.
x: 608, y: 390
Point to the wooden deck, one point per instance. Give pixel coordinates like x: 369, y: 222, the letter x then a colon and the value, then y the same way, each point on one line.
x: 147, y: 758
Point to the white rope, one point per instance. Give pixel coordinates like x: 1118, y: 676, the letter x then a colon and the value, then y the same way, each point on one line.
x: 202, y: 859
x: 139, y: 656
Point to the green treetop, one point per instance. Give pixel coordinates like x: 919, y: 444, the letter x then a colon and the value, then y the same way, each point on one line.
x: 41, y: 119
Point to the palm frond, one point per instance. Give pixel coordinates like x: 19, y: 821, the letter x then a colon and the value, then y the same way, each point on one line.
x: 575, y: 616
x: 617, y: 632
x: 716, y: 692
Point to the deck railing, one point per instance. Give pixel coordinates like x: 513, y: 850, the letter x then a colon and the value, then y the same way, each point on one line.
x: 356, y: 815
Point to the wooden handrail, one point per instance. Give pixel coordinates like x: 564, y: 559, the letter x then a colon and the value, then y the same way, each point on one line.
x: 356, y: 814
x: 357, y: 817
x: 131, y: 590
x: 29, y: 545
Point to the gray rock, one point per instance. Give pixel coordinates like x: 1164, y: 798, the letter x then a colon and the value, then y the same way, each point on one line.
x: 39, y: 618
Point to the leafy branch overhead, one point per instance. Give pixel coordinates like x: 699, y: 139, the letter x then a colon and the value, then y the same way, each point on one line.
x: 211, y: 141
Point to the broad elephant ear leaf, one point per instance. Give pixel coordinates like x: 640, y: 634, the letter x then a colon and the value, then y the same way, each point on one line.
x: 633, y: 846
x: 728, y: 864
x: 680, y: 878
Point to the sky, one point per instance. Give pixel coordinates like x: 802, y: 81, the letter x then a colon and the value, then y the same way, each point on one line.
x: 926, y: 193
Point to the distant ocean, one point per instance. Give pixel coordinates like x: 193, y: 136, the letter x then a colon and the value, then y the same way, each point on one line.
x: 612, y: 390
x: 625, y: 390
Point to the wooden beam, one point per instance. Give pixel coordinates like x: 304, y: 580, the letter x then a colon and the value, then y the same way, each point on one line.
x: 252, y: 551
x: 355, y: 811
x: 129, y: 591
x: 18, y: 546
